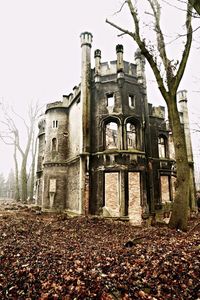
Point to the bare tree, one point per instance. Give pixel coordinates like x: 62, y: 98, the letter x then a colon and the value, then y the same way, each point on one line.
x: 11, y: 136
x: 196, y: 5
x: 168, y: 76
x: 32, y: 171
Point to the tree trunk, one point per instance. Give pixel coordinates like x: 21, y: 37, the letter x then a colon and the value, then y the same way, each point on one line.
x: 180, y: 210
x: 23, y: 181
x: 196, y: 5
x: 17, y: 193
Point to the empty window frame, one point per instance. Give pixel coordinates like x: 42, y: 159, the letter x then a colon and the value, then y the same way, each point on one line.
x: 111, y: 135
x: 131, y: 101
x: 110, y: 100
x: 131, y: 135
x: 162, y: 147
x: 55, y: 124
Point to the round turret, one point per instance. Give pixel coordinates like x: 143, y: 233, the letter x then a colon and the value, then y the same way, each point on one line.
x: 56, y: 134
x: 86, y: 39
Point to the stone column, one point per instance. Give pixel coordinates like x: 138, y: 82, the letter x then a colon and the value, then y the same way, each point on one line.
x: 86, y: 44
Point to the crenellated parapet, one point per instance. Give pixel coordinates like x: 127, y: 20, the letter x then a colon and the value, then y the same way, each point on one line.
x: 158, y: 112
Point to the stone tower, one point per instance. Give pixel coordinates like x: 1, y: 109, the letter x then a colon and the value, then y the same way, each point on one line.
x: 55, y: 153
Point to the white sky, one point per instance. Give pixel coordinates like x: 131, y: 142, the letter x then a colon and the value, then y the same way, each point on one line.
x: 40, y: 52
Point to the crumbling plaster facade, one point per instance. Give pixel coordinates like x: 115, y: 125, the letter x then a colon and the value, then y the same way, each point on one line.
x: 104, y: 150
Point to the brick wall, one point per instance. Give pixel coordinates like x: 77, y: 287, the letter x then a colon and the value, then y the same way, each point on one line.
x: 134, y: 209
x: 165, y: 194
x: 112, y: 193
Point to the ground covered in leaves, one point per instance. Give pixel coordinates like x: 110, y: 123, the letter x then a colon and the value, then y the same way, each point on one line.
x: 45, y: 256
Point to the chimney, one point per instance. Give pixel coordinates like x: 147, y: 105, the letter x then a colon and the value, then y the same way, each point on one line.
x: 97, y: 56
x: 86, y: 44
x: 120, y: 61
x: 140, y: 62
x: 120, y: 65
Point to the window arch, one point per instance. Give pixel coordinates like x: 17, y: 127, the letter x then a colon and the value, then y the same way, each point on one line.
x: 131, y: 137
x: 162, y: 146
x: 111, y: 135
x: 54, y: 145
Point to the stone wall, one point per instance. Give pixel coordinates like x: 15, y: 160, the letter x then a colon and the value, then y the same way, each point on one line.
x: 73, y: 186
x: 74, y: 129
x: 54, y: 187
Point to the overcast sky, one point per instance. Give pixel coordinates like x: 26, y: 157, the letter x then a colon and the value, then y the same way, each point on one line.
x: 40, y: 52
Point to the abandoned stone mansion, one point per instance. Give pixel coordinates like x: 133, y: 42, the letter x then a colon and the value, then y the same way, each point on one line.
x: 104, y: 150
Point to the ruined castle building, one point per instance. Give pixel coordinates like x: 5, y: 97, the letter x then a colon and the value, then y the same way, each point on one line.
x: 104, y: 150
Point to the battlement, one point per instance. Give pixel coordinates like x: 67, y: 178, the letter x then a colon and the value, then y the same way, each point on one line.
x: 110, y: 68
x: 53, y: 105
x: 68, y: 99
x: 158, y: 111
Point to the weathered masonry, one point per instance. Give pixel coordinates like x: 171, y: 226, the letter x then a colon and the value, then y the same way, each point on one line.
x: 103, y: 150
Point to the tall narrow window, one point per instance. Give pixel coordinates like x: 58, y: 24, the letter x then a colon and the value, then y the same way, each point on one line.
x: 55, y: 124
x: 131, y: 135
x: 131, y: 101
x: 111, y: 135
x: 110, y: 100
x: 162, y: 152
x: 54, y: 144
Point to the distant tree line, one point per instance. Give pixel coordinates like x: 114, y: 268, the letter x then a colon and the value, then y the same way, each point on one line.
x: 7, y: 185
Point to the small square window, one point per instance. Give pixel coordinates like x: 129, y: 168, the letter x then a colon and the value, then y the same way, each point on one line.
x: 131, y: 100
x: 110, y: 100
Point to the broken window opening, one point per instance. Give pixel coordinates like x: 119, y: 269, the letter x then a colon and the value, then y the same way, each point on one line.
x: 111, y: 135
x: 131, y: 101
x: 131, y: 135
x: 162, y: 147
x: 110, y: 100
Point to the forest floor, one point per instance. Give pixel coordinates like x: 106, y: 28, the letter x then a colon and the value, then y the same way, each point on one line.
x: 45, y: 256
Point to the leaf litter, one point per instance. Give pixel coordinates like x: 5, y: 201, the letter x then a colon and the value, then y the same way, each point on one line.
x: 46, y: 256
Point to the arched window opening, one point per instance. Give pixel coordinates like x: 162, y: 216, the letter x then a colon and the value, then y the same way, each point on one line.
x: 131, y: 135
x: 162, y: 149
x: 54, y: 144
x: 111, y: 135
